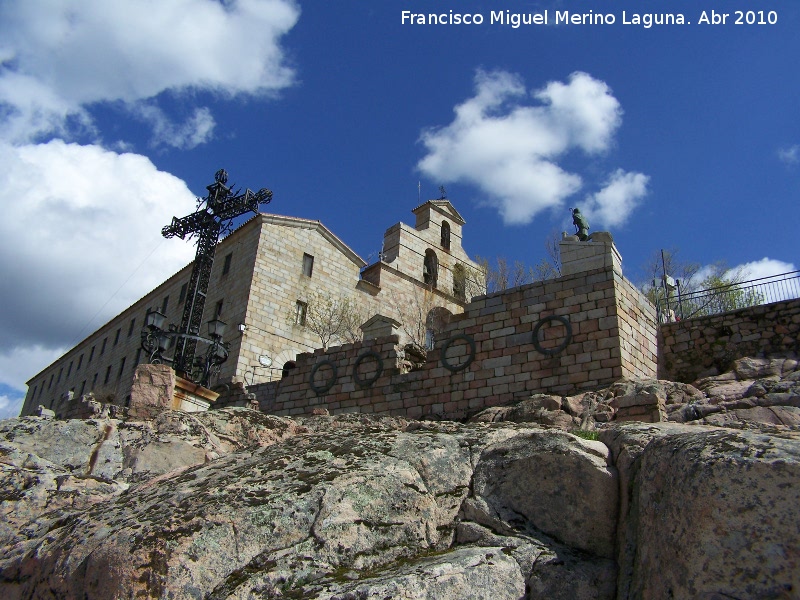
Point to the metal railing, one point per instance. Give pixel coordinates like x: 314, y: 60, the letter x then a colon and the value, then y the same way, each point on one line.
x: 724, y: 298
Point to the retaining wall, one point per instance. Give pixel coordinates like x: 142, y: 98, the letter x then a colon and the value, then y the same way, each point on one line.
x: 560, y: 336
x: 706, y: 346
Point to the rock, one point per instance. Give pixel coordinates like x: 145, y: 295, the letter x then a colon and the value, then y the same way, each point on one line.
x: 238, y: 504
x: 707, y: 512
x: 522, y: 483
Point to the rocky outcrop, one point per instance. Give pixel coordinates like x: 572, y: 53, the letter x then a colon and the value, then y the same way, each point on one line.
x: 758, y: 393
x: 237, y: 504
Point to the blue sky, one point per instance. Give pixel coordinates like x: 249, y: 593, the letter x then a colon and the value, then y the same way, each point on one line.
x: 114, y: 115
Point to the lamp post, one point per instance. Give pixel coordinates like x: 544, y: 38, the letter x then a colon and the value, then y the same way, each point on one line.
x: 157, y: 342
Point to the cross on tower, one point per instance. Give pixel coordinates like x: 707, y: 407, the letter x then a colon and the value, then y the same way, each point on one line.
x: 213, y: 217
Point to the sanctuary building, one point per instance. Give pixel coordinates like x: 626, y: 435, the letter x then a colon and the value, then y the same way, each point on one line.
x: 267, y: 275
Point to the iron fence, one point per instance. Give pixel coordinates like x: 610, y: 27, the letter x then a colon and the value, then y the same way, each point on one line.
x: 676, y: 304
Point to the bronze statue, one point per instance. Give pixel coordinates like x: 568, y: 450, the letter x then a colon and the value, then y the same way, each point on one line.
x: 581, y: 225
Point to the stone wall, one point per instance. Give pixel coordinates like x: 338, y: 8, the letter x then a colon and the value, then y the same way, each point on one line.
x: 559, y: 336
x: 706, y: 346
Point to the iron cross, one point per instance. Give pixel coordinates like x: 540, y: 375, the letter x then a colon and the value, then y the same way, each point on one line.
x: 214, y: 216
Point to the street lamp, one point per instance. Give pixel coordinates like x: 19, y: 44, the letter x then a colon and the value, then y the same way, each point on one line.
x: 157, y: 342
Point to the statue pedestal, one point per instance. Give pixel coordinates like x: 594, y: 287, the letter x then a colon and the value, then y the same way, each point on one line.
x: 596, y: 253
x: 190, y: 397
x: 156, y: 388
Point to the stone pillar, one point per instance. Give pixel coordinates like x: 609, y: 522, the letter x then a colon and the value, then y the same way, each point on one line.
x: 596, y: 253
x: 156, y: 388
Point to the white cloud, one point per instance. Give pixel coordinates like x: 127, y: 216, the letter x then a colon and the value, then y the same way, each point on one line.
x: 196, y: 130
x: 766, y: 267
x: 509, y: 147
x: 790, y: 155
x: 10, y: 407
x: 79, y: 223
x: 61, y: 56
x: 611, y: 206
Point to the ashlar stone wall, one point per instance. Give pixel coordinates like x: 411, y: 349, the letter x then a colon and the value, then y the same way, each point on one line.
x: 560, y: 336
x: 707, y: 346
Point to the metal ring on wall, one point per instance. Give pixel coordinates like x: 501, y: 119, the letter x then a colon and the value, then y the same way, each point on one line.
x: 321, y: 389
x: 552, y: 351
x: 466, y: 363
x: 374, y: 378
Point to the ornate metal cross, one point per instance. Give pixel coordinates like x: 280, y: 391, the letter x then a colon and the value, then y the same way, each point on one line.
x: 214, y: 217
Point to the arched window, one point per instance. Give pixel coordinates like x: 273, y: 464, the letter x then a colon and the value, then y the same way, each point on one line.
x: 445, y: 235
x: 430, y: 268
x: 459, y: 282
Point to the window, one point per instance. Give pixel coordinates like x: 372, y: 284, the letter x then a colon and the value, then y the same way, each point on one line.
x: 103, y: 347
x: 300, y: 313
x: 108, y: 374
x: 430, y: 339
x: 130, y: 329
x: 80, y: 362
x: 227, y: 266
x: 69, y: 369
x: 459, y: 282
x: 430, y: 268
x: 33, y: 396
x: 138, y: 358
x: 83, y: 387
x: 182, y: 296
x: 91, y: 354
x: 116, y: 337
x: 308, y: 265
x: 121, y: 367
x: 218, y: 308
x: 445, y: 235
x: 164, y: 305
x: 94, y: 381
x: 49, y: 383
x: 60, y: 372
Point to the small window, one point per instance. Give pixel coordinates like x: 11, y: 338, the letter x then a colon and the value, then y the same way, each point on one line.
x: 116, y: 337
x: 430, y: 268
x: 445, y: 235
x: 33, y: 395
x: 227, y: 266
x: 430, y: 339
x: 121, y: 367
x: 69, y: 369
x: 132, y: 325
x: 83, y: 387
x: 459, y: 282
x: 91, y: 354
x: 103, y: 347
x: 138, y: 358
x: 49, y: 383
x: 164, y: 305
x: 308, y: 265
x: 108, y: 374
x: 94, y: 381
x: 300, y: 313
x: 80, y: 362
x: 60, y: 372
x: 218, y: 309
x: 182, y: 296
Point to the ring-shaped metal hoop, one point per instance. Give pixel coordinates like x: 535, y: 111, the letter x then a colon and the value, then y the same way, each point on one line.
x: 552, y: 351
x: 321, y: 389
x: 448, y: 343
x: 367, y: 382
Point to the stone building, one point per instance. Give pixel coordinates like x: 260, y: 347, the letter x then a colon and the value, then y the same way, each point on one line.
x: 266, y: 277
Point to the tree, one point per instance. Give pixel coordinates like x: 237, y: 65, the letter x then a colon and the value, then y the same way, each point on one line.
x: 422, y: 318
x: 697, y: 291
x: 331, y: 318
x: 502, y: 275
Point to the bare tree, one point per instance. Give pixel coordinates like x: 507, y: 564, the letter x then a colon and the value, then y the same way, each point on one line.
x: 422, y: 319
x: 331, y: 318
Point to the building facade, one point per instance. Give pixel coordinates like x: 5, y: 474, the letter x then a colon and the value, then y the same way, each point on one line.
x: 268, y: 277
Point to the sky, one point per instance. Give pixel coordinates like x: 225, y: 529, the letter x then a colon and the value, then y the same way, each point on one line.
x: 114, y: 116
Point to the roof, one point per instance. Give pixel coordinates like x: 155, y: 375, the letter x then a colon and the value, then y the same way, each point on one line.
x: 444, y: 207
x: 319, y: 227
